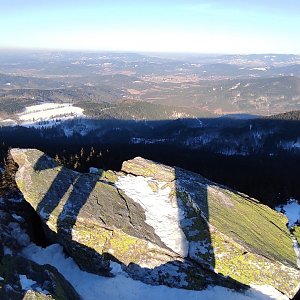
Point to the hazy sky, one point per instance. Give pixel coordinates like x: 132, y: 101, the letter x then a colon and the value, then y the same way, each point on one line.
x: 216, y: 26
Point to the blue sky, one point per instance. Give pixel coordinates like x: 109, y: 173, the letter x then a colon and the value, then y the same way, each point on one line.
x: 216, y: 26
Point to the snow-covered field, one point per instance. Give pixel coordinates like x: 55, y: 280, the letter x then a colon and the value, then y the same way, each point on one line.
x: 7, y: 122
x: 47, y: 114
x: 121, y: 287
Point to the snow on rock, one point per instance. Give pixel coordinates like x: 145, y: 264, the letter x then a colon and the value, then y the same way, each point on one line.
x: 163, y: 215
x: 121, y: 287
x: 26, y: 283
x: 19, y: 234
x: 291, y: 210
x: 297, y: 251
x: 18, y: 218
x: 29, y: 284
x: 93, y: 170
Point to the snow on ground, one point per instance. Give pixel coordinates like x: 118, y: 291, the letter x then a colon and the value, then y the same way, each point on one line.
x: 235, y: 86
x: 49, y: 112
x: 7, y: 122
x: 28, y: 284
x: 163, y: 215
x: 291, y: 145
x: 19, y: 233
x: 297, y: 251
x: 259, y: 69
x: 121, y: 287
x: 291, y: 210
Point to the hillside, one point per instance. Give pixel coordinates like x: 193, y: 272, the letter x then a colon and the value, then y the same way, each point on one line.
x: 249, y: 84
x: 288, y: 116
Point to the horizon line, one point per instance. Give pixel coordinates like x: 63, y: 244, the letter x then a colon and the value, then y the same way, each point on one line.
x: 19, y: 49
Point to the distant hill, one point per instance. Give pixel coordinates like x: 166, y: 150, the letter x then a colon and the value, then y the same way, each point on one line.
x: 288, y: 116
x: 139, y: 110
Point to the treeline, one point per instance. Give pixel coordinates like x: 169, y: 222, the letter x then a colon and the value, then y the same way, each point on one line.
x: 288, y: 116
x: 140, y: 110
x: 270, y: 179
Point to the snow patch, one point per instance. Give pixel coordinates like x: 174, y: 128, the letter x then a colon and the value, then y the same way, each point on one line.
x: 297, y: 251
x: 162, y: 214
x: 121, y: 287
x: 18, y: 218
x: 48, y: 114
x: 29, y: 285
x: 290, y: 145
x: 93, y: 170
x: 8, y: 122
x: 269, y: 291
x: 259, y: 69
x: 137, y: 140
x: 235, y: 86
x: 7, y: 251
x: 19, y: 234
x: 291, y: 210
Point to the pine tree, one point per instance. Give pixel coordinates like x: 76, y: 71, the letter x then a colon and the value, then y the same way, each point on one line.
x: 81, y: 153
x: 57, y: 159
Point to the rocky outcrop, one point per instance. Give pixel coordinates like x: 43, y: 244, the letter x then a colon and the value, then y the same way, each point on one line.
x: 24, y: 279
x: 163, y: 225
x: 21, y: 278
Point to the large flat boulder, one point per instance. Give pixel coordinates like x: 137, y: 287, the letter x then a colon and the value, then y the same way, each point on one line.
x: 164, y: 225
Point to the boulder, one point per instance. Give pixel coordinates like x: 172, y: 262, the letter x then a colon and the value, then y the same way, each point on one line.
x: 21, y: 278
x: 163, y: 225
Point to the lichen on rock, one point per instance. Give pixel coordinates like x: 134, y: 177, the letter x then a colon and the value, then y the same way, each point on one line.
x: 164, y: 225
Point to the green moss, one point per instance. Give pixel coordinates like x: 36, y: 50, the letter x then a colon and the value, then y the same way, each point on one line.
x: 111, y: 176
x: 147, y: 168
x: 153, y: 186
x: 94, y: 238
x: 253, y: 225
x: 231, y: 259
x: 241, y: 232
x: 127, y: 248
x: 108, y: 176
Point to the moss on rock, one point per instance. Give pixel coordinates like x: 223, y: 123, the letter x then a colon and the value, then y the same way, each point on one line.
x: 227, y: 232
